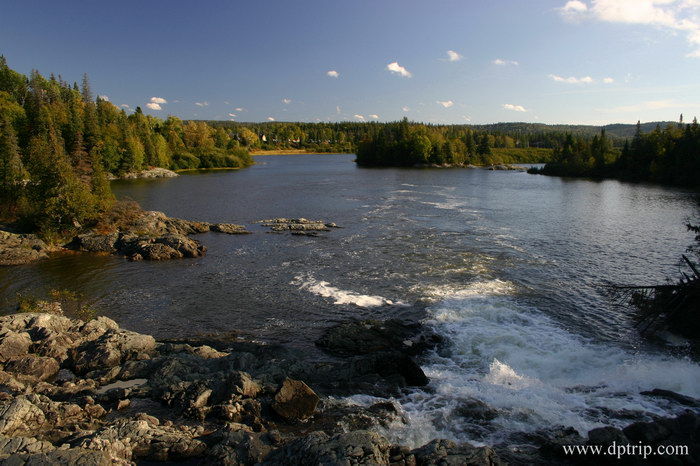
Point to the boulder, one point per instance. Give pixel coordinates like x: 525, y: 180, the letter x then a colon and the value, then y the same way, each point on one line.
x: 447, y: 452
x: 95, y: 242
x: 40, y: 367
x: 13, y: 344
x: 111, y: 349
x: 476, y: 410
x: 294, y: 400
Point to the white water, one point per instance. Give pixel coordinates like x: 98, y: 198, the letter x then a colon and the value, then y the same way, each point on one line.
x: 325, y: 290
x: 534, y: 373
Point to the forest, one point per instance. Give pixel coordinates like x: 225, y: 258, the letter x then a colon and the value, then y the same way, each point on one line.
x: 58, y: 144
x: 669, y: 155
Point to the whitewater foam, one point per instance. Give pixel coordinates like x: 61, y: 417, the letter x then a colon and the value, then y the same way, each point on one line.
x: 533, y: 372
x: 325, y: 290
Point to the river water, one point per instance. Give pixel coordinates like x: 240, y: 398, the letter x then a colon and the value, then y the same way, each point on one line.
x: 508, y: 266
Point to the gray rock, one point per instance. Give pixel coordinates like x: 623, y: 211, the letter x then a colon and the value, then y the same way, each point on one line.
x: 70, y: 457
x: 111, y: 349
x: 95, y: 242
x: 474, y: 409
x: 359, y: 447
x: 40, y: 367
x: 13, y: 344
x: 295, y: 400
x: 606, y: 436
x: 229, y: 229
x: 16, y: 249
x: 446, y: 452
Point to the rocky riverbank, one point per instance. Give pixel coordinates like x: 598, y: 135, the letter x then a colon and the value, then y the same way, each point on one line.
x: 155, y: 172
x: 74, y: 392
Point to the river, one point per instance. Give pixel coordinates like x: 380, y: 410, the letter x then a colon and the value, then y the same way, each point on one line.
x: 508, y: 266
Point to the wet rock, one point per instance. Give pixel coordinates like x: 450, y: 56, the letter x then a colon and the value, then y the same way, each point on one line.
x: 369, y: 336
x: 677, y: 397
x: 359, y: 447
x: 297, y: 225
x: 607, y: 436
x: 229, y: 229
x: 446, y: 452
x: 476, y: 410
x: 295, y: 400
x: 16, y: 249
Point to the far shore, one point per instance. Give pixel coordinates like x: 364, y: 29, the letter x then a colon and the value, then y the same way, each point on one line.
x: 291, y: 152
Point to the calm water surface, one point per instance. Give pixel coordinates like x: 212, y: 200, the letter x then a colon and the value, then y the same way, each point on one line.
x: 508, y: 265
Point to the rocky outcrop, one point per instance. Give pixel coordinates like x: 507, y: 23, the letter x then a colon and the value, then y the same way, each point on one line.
x: 153, y: 236
x: 16, y: 249
x: 295, y: 400
x: 298, y: 226
x: 155, y: 172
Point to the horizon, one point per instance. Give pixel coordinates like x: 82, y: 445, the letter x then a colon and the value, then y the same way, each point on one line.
x: 557, y: 62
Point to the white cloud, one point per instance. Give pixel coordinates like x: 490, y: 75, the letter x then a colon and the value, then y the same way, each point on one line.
x: 374, y: 116
x: 608, y: 80
x: 232, y: 115
x: 125, y: 106
x: 239, y: 109
x: 515, y: 108
x: 154, y: 106
x: 337, y: 109
x: 676, y: 15
x: 466, y: 118
x: 270, y: 119
x: 286, y: 101
x: 394, y: 67
x: 453, y: 56
x: 158, y: 100
x: 406, y: 108
x: 359, y: 117
x: 445, y: 103
x: 502, y: 62
x: 103, y: 97
x: 332, y: 73
x: 572, y: 79
x: 202, y: 104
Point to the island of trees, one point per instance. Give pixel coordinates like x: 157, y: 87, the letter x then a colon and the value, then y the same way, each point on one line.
x: 669, y: 155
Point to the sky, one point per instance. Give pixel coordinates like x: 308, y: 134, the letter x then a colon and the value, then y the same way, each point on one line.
x: 441, y: 61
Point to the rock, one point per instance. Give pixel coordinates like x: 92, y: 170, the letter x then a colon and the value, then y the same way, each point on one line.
x: 369, y: 336
x: 43, y: 368
x: 111, y: 349
x: 606, y: 436
x: 19, y: 445
x: 446, y: 452
x: 20, y: 416
x: 297, y: 225
x: 13, y: 344
x: 155, y: 172
x: 359, y: 447
x: 474, y: 409
x: 239, y: 447
x: 295, y: 400
x: 677, y: 397
x: 236, y: 386
x: 70, y: 457
x: 16, y: 249
x: 229, y: 229
x: 94, y: 242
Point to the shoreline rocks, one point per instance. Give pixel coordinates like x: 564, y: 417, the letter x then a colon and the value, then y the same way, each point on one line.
x: 297, y: 226
x: 155, y: 172
x: 74, y: 392
x: 18, y: 249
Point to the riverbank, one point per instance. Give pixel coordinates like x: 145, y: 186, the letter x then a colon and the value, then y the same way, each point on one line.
x: 290, y: 152
x: 94, y: 393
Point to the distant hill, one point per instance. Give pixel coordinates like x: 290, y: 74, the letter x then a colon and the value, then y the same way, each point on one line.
x: 614, y: 131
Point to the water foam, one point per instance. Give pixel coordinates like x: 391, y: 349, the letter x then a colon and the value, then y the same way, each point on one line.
x: 533, y: 372
x: 325, y: 290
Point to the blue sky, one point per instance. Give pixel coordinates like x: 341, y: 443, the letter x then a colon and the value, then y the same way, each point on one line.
x: 443, y: 61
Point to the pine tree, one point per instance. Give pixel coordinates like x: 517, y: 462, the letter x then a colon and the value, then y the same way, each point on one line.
x: 10, y: 161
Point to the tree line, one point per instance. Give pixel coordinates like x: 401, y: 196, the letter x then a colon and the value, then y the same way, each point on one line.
x: 669, y: 155
x: 58, y: 144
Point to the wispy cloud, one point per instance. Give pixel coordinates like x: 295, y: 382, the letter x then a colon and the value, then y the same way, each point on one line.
x: 158, y: 100
x: 502, y: 62
x: 126, y: 106
x: 394, y: 67
x: 286, y: 101
x: 572, y: 79
x: 608, y: 80
x: 682, y: 16
x: 233, y: 115
x: 103, y: 97
x: 466, y: 118
x: 202, y: 104
x: 270, y: 119
x: 514, y: 108
x: 337, y: 109
x: 154, y: 106
x: 406, y: 108
x: 332, y: 73
x: 453, y: 56
x: 359, y: 117
x: 374, y: 116
x: 239, y: 109
x: 445, y: 103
